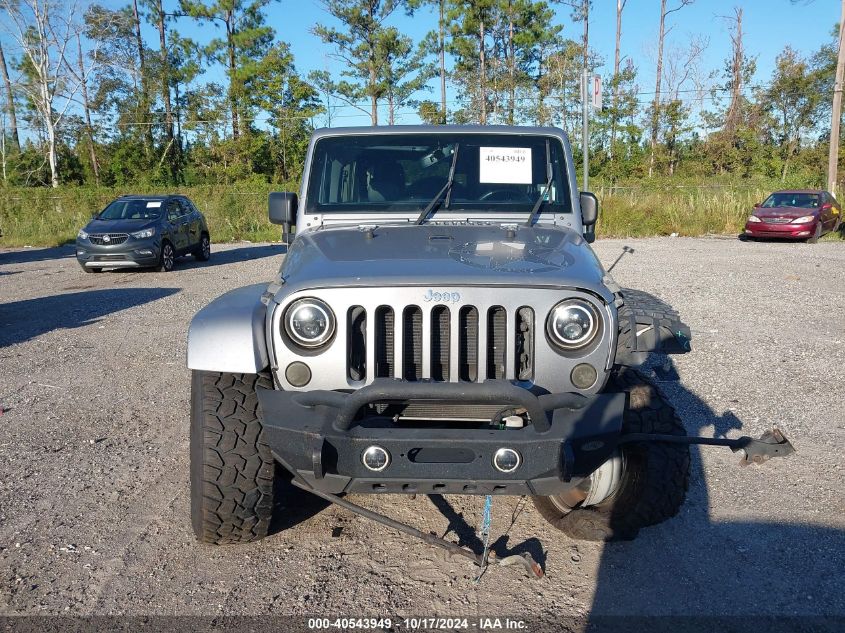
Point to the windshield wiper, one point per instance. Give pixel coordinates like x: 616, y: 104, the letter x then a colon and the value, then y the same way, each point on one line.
x: 447, y: 189
x: 546, y: 191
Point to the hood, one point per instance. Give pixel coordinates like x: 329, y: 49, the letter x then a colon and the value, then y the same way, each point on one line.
x: 784, y: 212
x: 442, y: 255
x: 119, y: 226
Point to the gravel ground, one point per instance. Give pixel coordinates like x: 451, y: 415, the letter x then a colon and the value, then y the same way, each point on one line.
x: 94, y: 502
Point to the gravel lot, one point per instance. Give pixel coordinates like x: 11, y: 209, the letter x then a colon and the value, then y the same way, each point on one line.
x: 94, y: 502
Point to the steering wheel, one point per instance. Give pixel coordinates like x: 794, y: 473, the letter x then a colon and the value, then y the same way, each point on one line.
x: 505, y: 195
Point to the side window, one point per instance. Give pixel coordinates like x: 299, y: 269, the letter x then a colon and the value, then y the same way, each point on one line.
x: 186, y: 206
x: 173, y: 209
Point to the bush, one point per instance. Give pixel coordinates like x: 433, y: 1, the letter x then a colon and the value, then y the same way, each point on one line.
x: 51, y: 217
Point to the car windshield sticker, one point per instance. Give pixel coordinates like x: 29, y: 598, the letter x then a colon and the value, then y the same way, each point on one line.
x: 152, y: 204
x: 505, y: 165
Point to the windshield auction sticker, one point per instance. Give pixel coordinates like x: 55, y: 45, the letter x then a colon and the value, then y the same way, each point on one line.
x: 505, y: 165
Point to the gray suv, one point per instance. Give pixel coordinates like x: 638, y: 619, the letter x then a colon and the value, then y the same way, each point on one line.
x: 143, y: 232
x: 440, y: 324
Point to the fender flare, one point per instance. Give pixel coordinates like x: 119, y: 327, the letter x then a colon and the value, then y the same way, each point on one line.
x: 228, y: 334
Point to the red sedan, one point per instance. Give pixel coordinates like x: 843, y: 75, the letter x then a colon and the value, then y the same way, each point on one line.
x: 802, y: 214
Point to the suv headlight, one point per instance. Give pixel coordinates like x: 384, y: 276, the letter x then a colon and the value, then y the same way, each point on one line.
x: 145, y: 233
x: 82, y: 235
x: 804, y: 219
x: 309, y: 322
x: 573, y: 324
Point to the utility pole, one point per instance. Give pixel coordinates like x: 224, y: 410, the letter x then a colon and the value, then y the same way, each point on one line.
x: 836, y: 114
x: 585, y: 132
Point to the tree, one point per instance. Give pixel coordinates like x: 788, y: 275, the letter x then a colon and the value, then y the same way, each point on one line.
x: 117, y: 95
x: 145, y: 101
x: 247, y: 39
x: 655, y: 112
x: 43, y: 30
x: 10, y: 103
x: 403, y: 71
x: 792, y: 102
x: 439, y: 47
x: 616, y: 80
x: 471, y: 21
x: 277, y: 88
x: 729, y: 145
x: 836, y: 109
x: 357, y: 46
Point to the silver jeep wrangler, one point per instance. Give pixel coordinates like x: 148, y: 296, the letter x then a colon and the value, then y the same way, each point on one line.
x: 439, y: 324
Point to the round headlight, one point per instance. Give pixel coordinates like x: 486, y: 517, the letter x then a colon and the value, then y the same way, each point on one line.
x: 573, y: 324
x: 309, y: 322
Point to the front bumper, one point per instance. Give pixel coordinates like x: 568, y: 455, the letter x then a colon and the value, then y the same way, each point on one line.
x: 780, y: 230
x: 133, y: 253
x: 320, y: 437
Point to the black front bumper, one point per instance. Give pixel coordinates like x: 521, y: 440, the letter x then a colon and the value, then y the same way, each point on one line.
x: 320, y: 436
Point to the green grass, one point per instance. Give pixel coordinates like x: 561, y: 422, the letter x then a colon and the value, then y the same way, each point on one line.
x: 49, y: 217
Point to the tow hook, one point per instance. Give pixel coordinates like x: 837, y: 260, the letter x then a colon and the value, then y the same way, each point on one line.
x: 772, y: 443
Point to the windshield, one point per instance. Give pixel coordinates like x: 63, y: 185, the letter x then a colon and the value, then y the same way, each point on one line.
x: 131, y: 210
x: 399, y: 172
x: 799, y: 200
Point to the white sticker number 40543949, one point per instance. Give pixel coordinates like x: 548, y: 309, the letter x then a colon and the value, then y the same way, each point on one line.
x: 505, y: 165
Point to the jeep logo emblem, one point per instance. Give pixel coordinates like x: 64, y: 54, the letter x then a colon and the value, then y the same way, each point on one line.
x: 446, y: 296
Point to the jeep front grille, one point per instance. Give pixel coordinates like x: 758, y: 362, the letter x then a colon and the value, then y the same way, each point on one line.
x: 471, y: 342
x: 113, y: 239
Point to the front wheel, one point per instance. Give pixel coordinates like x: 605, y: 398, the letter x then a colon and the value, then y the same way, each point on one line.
x: 654, y: 476
x: 167, y: 258
x: 817, y: 233
x: 232, y: 469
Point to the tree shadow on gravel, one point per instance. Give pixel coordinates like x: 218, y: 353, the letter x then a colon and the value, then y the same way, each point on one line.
x: 695, y: 574
x: 27, y: 255
x: 233, y: 256
x: 23, y: 320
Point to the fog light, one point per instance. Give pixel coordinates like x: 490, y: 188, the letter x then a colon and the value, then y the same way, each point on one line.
x: 298, y: 374
x: 376, y: 458
x: 145, y: 252
x: 506, y: 460
x: 584, y: 376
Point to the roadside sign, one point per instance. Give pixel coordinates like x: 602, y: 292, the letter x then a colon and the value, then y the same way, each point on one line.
x: 596, y: 92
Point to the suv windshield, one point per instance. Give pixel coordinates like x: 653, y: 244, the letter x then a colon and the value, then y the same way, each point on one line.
x: 404, y: 172
x: 131, y: 210
x: 799, y: 200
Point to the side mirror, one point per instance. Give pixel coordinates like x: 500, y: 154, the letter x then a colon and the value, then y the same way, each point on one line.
x: 282, y: 210
x: 589, y: 214
x: 757, y: 205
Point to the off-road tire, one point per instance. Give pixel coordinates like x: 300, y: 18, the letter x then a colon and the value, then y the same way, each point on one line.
x: 656, y: 476
x: 641, y: 309
x: 232, y: 470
